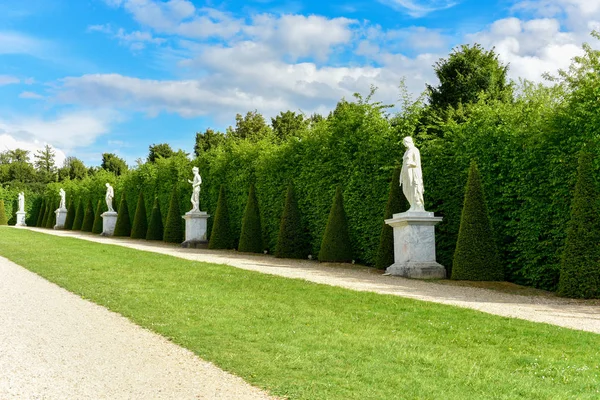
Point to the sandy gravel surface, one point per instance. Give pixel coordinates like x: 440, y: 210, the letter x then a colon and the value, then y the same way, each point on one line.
x: 562, y: 312
x: 55, y: 345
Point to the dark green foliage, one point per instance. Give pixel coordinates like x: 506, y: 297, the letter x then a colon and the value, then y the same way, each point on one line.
x: 88, y: 218
x: 221, y: 237
x: 174, y: 225
x: 51, y: 221
x: 46, y: 214
x: 476, y: 257
x: 396, y: 203
x: 580, y: 267
x: 78, y: 221
x: 123, y: 224
x: 291, y: 241
x: 3, y: 218
x: 251, y: 240
x: 155, y: 228
x: 70, y: 215
x: 140, y: 221
x: 97, y: 227
x: 12, y: 213
x: 41, y: 213
x: 336, y: 246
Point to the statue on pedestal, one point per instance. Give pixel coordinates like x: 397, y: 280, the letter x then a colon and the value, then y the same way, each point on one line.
x: 63, y: 202
x: 196, y: 190
x: 110, y: 194
x: 22, y: 202
x: 411, y: 176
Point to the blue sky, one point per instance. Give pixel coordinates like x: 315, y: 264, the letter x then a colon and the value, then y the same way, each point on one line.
x: 97, y: 76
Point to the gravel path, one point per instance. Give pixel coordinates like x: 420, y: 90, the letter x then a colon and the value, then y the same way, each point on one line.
x: 573, y: 314
x: 55, y: 345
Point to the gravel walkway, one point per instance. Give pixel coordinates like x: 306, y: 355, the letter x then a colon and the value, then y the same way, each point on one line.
x: 55, y: 345
x: 557, y: 311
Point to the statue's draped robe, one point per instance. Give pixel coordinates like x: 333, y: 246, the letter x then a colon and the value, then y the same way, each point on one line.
x: 411, y: 179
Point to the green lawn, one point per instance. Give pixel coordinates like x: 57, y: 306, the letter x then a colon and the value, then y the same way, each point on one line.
x: 309, y: 341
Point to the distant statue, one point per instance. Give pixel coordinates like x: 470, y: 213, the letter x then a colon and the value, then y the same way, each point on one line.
x: 196, y: 190
x: 22, y: 202
x: 411, y: 176
x: 63, y: 203
x: 110, y: 194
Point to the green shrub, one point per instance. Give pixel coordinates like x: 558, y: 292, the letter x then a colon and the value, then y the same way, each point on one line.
x: 70, y: 215
x: 97, y: 227
x: 12, y: 213
x: 123, y: 224
x: 140, y: 221
x: 155, y: 228
x: 40, y: 217
x: 580, y: 267
x: 88, y: 217
x: 251, y: 239
x: 476, y: 257
x: 3, y: 218
x: 292, y: 241
x: 78, y: 221
x: 174, y: 225
x: 336, y: 246
x: 46, y: 214
x: 51, y: 221
x: 221, y: 237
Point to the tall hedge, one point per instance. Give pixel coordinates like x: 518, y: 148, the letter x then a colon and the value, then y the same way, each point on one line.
x: 51, y: 221
x: 251, y: 240
x: 221, y: 236
x: 78, y: 221
x: 291, y: 241
x: 97, y: 227
x: 40, y: 216
x: 88, y: 217
x: 123, y: 224
x: 140, y: 221
x: 155, y: 228
x: 46, y: 214
x: 476, y: 256
x: 3, y: 218
x: 396, y: 203
x: 336, y: 246
x: 580, y: 267
x: 70, y: 215
x: 174, y: 223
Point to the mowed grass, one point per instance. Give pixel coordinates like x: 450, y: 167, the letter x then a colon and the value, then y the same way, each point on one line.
x: 308, y: 341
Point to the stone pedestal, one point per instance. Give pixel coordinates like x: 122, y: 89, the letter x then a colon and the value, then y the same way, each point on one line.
x: 109, y: 220
x: 61, y: 217
x: 414, y: 246
x: 21, y: 218
x: 195, y: 229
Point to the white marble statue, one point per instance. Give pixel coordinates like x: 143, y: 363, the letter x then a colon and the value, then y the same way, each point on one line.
x: 411, y: 176
x: 22, y: 202
x: 110, y: 194
x: 196, y: 190
x: 63, y: 202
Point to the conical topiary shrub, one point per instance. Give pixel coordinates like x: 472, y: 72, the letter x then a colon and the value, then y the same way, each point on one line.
x: 220, y: 236
x: 51, y: 221
x: 140, y: 221
x: 396, y: 203
x: 336, y: 246
x: 45, y: 215
x: 155, y: 228
x: 580, y: 264
x: 174, y: 226
x: 476, y: 257
x: 292, y: 241
x: 41, y: 212
x: 79, y: 211
x: 70, y: 215
x: 12, y: 213
x: 3, y: 217
x: 88, y: 218
x: 97, y: 227
x: 251, y: 239
x: 123, y: 224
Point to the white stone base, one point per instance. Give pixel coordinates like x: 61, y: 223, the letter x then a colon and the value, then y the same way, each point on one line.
x: 61, y: 217
x: 414, y: 246
x: 109, y: 221
x: 21, y: 218
x: 195, y: 228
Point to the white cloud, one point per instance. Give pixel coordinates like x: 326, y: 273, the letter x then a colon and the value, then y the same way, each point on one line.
x: 419, y: 8
x: 8, y: 80
x: 135, y: 40
x: 8, y: 142
x: 18, y: 43
x: 30, y: 95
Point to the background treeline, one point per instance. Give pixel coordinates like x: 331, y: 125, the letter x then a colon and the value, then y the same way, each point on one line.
x: 525, y: 139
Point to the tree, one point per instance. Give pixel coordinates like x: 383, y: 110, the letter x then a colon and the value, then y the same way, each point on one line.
x: 3, y: 217
x: 476, y: 256
x: 97, y: 227
x: 220, y: 236
x: 73, y: 168
x: 162, y: 150
x: 173, y: 227
x: 155, y: 228
x: 336, y: 246
x: 45, y: 164
x: 140, y: 220
x: 88, y: 217
x: 123, y: 224
x: 251, y: 126
x: 70, y: 215
x: 251, y: 239
x: 580, y: 265
x: 78, y: 221
x: 207, y: 140
x: 292, y: 241
x: 288, y: 124
x: 113, y: 163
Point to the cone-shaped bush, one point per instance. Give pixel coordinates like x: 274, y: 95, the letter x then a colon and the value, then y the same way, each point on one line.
x: 88, y: 218
x: 71, y: 211
x: 51, y: 221
x: 396, y: 203
x: 12, y: 208
x: 336, y: 246
x: 40, y: 216
x: 97, y: 227
x: 46, y: 213
x: 140, y: 221
x: 78, y: 221
x: 155, y: 228
x: 3, y: 217
x: 291, y: 242
x: 476, y: 256
x: 580, y: 265
x: 220, y: 236
x: 251, y: 239
x: 123, y: 224
x: 174, y: 226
